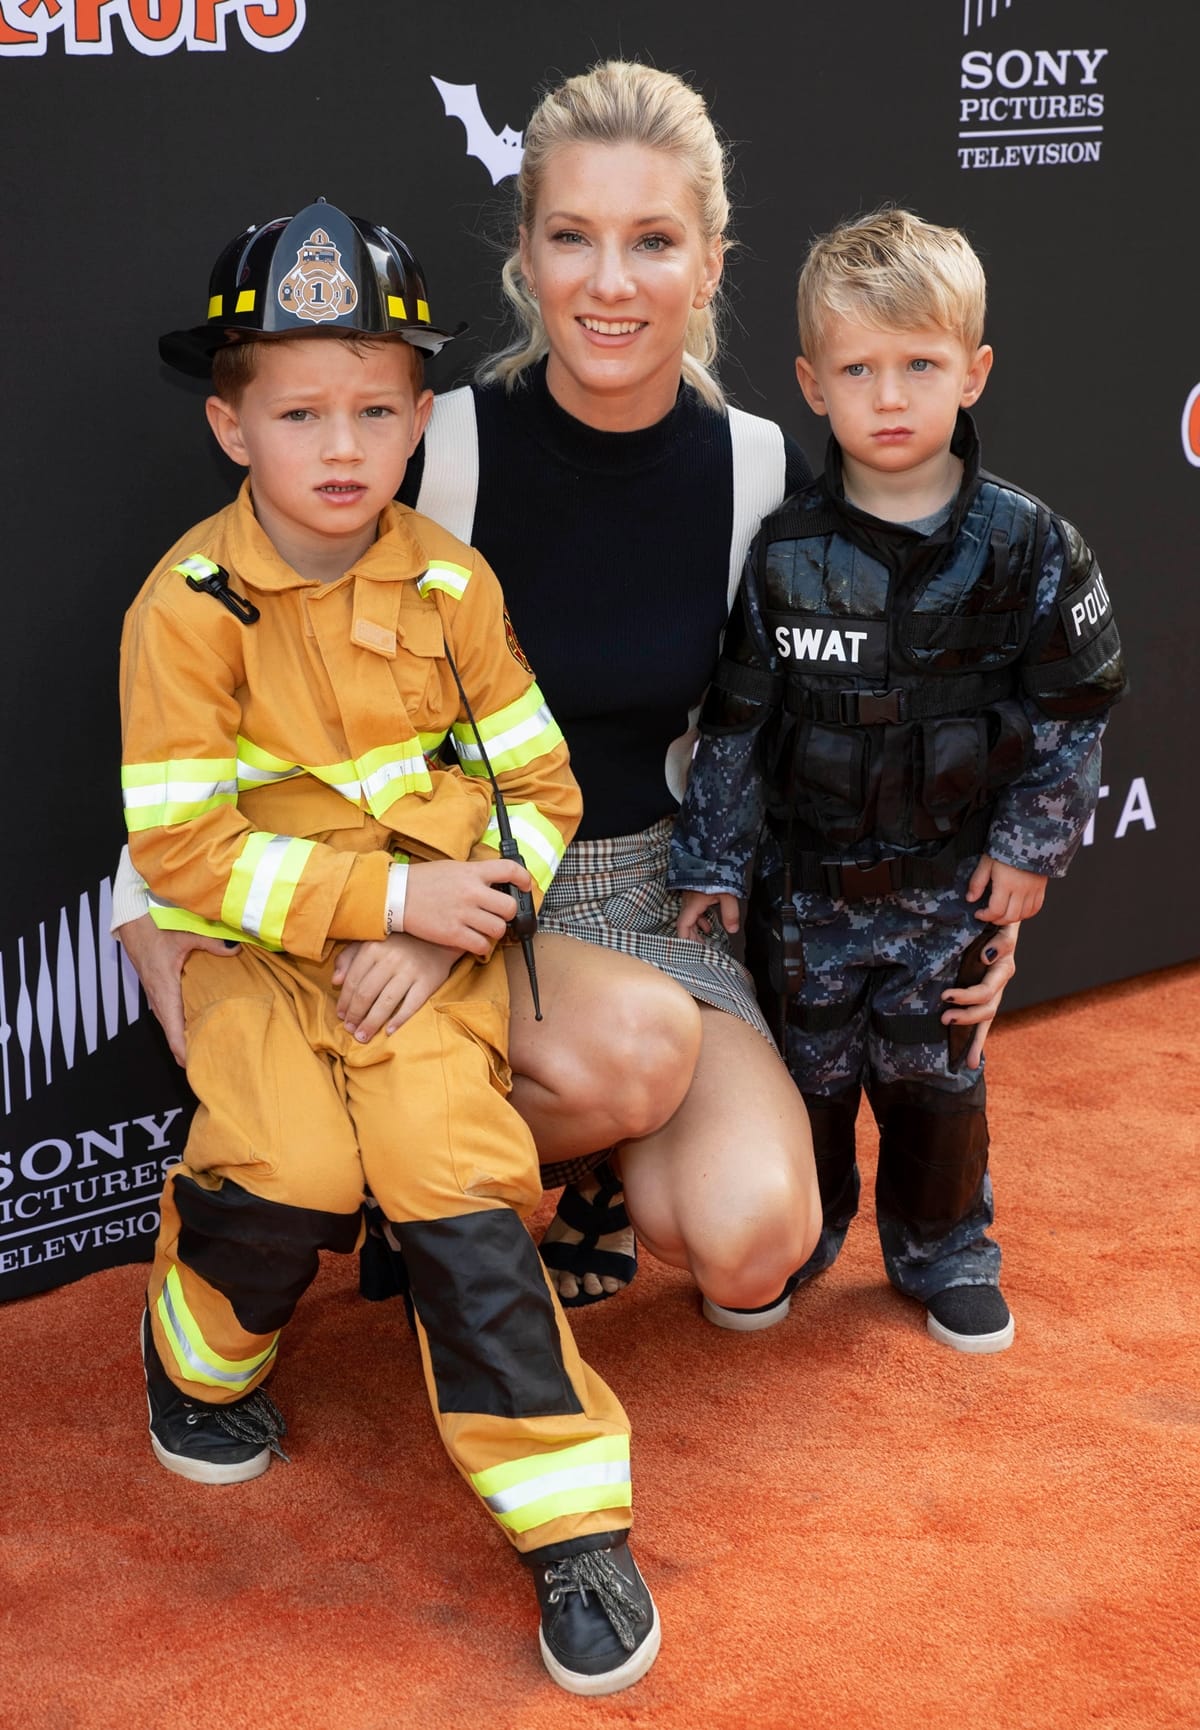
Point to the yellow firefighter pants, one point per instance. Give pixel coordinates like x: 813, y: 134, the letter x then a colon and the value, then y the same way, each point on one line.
x: 294, y: 1117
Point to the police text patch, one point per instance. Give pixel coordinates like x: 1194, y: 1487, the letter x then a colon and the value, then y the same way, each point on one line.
x: 835, y: 645
x: 1086, y: 610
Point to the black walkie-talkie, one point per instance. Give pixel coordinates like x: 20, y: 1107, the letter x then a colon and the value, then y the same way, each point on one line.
x: 523, y: 923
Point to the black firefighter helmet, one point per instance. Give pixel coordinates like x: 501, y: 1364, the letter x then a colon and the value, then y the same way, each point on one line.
x: 320, y: 270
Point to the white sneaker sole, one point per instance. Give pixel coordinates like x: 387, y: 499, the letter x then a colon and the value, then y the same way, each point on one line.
x: 994, y: 1342
x: 746, y: 1321
x: 612, y: 1681
x: 204, y: 1472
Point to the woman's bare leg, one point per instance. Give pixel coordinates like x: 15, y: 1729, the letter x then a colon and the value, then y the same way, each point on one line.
x: 613, y: 1057
x: 728, y: 1188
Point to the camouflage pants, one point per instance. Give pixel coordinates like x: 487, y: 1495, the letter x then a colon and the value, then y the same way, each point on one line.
x: 872, y: 969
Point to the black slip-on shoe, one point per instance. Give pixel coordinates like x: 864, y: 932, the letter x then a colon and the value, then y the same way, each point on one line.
x: 970, y: 1318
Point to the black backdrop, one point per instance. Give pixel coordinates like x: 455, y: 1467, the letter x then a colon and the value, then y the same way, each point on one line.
x: 140, y: 134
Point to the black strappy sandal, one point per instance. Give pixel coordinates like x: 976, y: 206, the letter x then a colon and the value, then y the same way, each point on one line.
x: 600, y: 1217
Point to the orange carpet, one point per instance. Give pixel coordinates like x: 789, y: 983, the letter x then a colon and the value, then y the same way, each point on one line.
x: 844, y: 1524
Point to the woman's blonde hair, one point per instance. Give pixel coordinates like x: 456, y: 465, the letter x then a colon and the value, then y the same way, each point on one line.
x: 619, y: 102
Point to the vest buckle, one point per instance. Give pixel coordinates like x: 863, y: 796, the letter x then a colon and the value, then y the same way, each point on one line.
x: 851, y: 882
x: 870, y: 708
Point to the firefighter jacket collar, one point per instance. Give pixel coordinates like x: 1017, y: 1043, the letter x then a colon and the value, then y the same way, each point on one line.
x: 395, y: 555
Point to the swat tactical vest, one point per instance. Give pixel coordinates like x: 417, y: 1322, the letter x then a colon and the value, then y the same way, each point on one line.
x: 899, y: 717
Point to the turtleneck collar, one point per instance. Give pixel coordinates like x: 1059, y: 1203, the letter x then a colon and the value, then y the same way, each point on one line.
x: 587, y: 447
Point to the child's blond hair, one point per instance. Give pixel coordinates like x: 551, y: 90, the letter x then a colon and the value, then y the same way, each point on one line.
x: 892, y: 271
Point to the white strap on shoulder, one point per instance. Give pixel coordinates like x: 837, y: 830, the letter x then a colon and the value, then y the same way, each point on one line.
x: 450, y: 481
x: 759, y: 478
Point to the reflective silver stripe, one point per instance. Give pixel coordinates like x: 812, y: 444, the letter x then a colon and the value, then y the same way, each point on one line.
x: 403, y: 766
x: 176, y: 793
x: 182, y: 1345
x: 249, y: 774
x: 557, y: 1483
x: 262, y: 883
x: 537, y: 723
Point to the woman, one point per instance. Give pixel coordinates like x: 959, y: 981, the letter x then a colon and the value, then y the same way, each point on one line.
x: 597, y: 468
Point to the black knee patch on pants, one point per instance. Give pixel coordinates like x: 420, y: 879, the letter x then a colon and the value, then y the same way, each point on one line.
x: 480, y: 1294
x: 260, y: 1255
x: 933, y: 1152
x: 832, y: 1118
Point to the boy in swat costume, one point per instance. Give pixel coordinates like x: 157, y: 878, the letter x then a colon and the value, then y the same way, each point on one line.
x: 290, y: 673
x: 905, y: 726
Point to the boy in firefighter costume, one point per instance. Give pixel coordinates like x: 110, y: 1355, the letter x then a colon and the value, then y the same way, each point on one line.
x: 290, y: 695
x: 907, y: 716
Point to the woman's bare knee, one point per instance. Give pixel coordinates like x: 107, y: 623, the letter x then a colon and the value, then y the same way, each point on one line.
x: 617, y: 1059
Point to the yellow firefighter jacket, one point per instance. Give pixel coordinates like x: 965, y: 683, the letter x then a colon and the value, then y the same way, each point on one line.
x: 271, y: 771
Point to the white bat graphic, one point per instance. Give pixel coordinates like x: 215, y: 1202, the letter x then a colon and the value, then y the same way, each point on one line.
x: 500, y: 152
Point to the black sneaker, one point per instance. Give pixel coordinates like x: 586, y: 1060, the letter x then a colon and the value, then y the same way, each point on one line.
x: 600, y: 1630
x: 208, y: 1444
x: 971, y: 1318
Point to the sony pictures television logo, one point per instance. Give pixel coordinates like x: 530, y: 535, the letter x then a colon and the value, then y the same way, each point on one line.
x: 152, y: 27
x: 1026, y: 106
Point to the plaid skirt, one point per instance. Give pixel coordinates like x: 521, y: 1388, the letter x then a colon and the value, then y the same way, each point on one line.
x: 614, y: 893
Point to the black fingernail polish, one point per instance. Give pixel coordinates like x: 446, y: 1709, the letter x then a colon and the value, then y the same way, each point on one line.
x: 989, y: 955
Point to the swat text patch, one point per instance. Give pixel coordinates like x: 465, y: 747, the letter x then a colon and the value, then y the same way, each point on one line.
x: 833, y: 645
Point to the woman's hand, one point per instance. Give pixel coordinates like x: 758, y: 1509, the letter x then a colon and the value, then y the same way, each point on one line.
x: 976, y: 1005
x: 158, y: 958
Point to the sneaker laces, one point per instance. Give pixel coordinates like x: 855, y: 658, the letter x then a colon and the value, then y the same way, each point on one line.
x: 595, y: 1571
x: 256, y: 1419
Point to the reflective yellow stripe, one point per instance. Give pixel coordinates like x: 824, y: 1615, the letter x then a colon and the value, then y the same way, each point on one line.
x: 194, y: 1356
x: 514, y: 736
x: 262, y: 884
x: 423, y: 311
x: 453, y: 579
x: 168, y: 917
x: 547, y: 1486
x: 245, y: 301
x: 369, y: 780
x: 156, y: 794
x: 216, y: 306
x: 541, y: 844
x: 392, y: 771
x: 196, y: 565
x: 396, y: 307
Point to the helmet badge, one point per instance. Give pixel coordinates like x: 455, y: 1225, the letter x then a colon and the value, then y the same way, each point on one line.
x: 318, y: 288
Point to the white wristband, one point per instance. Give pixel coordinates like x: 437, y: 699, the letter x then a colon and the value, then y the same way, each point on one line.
x: 397, y: 890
